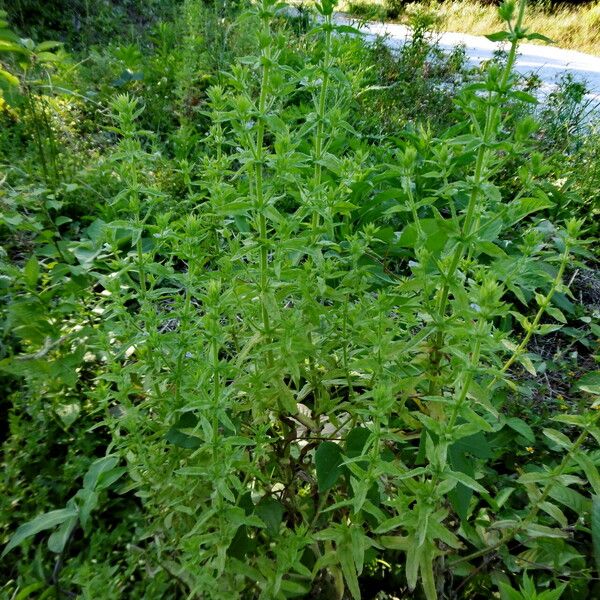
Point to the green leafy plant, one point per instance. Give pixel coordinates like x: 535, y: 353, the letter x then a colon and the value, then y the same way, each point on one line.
x: 101, y: 475
x: 528, y: 591
x: 310, y: 355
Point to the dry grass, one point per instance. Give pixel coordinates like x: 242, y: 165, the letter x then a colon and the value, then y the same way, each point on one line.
x: 574, y: 27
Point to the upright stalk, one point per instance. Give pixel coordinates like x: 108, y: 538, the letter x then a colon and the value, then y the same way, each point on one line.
x: 319, y: 133
x: 540, y: 313
x: 216, y: 384
x: 470, y: 220
x: 468, y: 380
x: 259, y: 155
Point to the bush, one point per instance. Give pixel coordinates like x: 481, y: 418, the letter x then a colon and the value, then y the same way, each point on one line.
x: 81, y: 22
x: 281, y: 357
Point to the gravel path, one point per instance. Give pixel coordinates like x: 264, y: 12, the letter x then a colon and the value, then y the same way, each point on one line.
x: 548, y: 62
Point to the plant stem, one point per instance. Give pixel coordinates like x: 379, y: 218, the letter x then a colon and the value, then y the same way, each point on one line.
x: 258, y: 181
x: 536, y: 321
x: 216, y: 386
x: 481, y: 162
x: 318, y: 141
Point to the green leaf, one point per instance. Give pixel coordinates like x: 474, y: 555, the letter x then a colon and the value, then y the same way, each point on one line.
x: 596, y: 529
x: 26, y: 592
x: 356, y: 440
x: 107, y: 478
x: 499, y: 36
x: 521, y: 428
x: 358, y: 542
x: 570, y: 498
x: 538, y: 36
x: 589, y: 383
x: 390, y: 524
x: 519, y: 209
x: 88, y: 502
x: 182, y: 440
x: 490, y: 249
x: 427, y: 575
x: 590, y: 470
x: 475, y: 444
x: 62, y: 221
x: 294, y: 588
x: 347, y: 29
x: 413, y: 557
x: 349, y: 569
x: 31, y: 272
x: 59, y: 538
x: 8, y: 46
x: 396, y: 542
x: 509, y: 593
x: 547, y: 328
x: 435, y: 236
x: 47, y: 57
x: 97, y: 468
x: 535, y: 530
x: 48, y: 45
x: 524, y: 97
x: 68, y: 413
x: 528, y: 364
x: 325, y: 7
x: 42, y: 522
x: 560, y: 439
x: 465, y: 480
x: 8, y: 78
x: 8, y: 35
x: 271, y: 512
x: 555, y: 513
x: 556, y: 313
x: 328, y: 461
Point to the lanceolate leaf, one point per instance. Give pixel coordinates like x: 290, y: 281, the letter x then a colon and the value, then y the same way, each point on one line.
x: 58, y: 540
x: 427, y: 574
x: 97, y: 468
x: 538, y: 36
x: 521, y: 428
x: 499, y: 36
x: 346, y: 559
x: 8, y: 78
x: 8, y: 46
x: 42, y: 522
x: 461, y: 495
x: 589, y: 383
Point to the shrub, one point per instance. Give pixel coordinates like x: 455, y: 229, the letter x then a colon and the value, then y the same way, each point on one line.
x: 302, y: 368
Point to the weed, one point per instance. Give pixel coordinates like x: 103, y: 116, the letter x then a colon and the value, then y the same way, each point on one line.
x: 301, y: 346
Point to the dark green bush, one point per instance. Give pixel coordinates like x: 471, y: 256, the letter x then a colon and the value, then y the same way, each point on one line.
x: 85, y: 22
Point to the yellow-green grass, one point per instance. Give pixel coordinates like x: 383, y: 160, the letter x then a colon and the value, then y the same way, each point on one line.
x: 569, y: 26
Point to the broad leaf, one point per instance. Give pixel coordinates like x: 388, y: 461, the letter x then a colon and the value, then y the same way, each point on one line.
x: 328, y: 460
x: 271, y: 512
